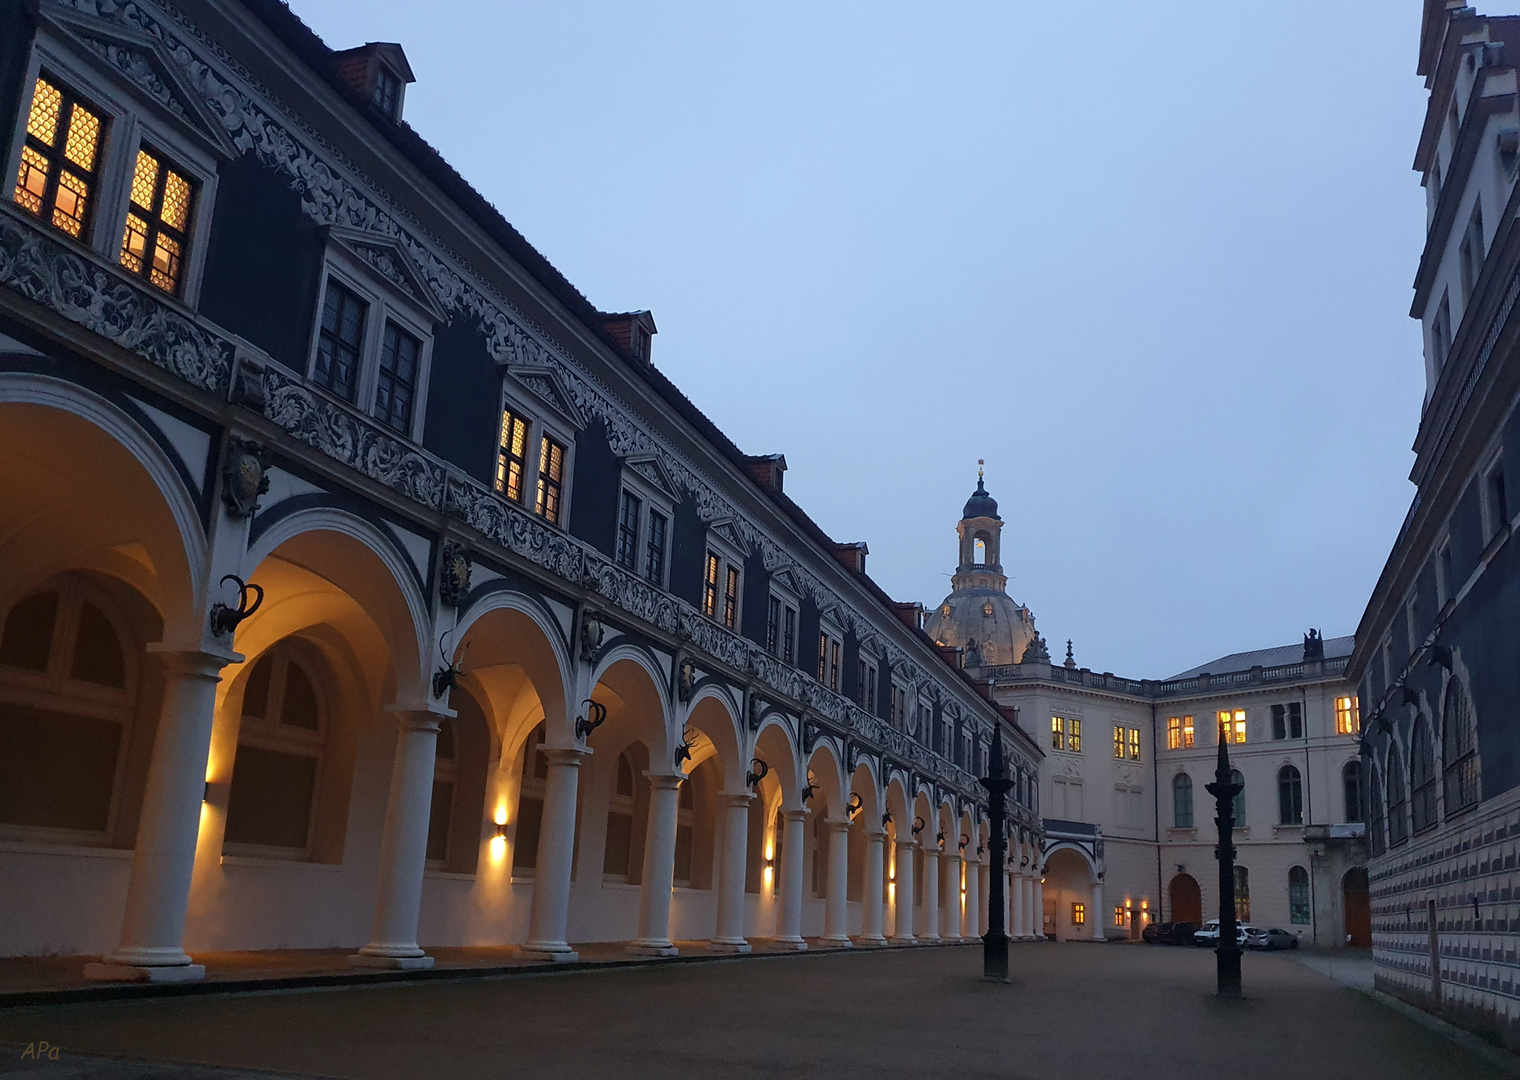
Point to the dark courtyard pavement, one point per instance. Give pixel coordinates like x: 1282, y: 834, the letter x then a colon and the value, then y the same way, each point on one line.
x: 1073, y: 1011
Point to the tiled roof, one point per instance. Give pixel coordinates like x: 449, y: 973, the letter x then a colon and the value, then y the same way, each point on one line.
x: 1282, y: 654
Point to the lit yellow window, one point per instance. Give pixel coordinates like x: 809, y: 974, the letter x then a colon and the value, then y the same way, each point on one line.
x: 1348, y: 716
x: 1134, y: 744
x: 1078, y: 914
x: 1118, y: 914
x: 1118, y: 740
x: 1233, y: 725
x: 1057, y: 733
x: 1074, y: 737
x: 710, y: 586
x: 56, y: 180
x: 512, y: 457
x: 153, y: 243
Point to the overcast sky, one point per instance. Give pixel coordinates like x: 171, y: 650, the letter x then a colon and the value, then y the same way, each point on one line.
x: 1153, y: 261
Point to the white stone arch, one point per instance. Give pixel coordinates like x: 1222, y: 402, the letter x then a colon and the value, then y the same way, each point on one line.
x: 1083, y: 853
x: 774, y: 735
x: 659, y: 734
x: 183, y: 598
x: 828, y: 770
x: 725, y: 739
x: 558, y: 715
x: 409, y: 636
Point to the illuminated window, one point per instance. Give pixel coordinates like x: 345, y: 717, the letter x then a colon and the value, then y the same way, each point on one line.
x: 1179, y: 733
x: 865, y: 691
x: 396, y: 385
x: 1348, y: 716
x: 1233, y: 725
x: 1074, y: 735
x: 1119, y: 741
x: 56, y: 180
x: 1078, y: 914
x: 1118, y: 914
x: 551, y: 475
x: 731, y: 598
x: 628, y: 530
x: 158, y: 223
x: 340, y: 340
x: 1134, y: 744
x: 512, y: 458
x: 1057, y: 733
x: 710, y: 585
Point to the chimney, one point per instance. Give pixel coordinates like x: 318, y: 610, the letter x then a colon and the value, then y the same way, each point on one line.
x: 852, y: 555
x: 634, y: 331
x: 767, y: 469
x: 952, y: 655
x: 911, y: 613
x: 378, y: 72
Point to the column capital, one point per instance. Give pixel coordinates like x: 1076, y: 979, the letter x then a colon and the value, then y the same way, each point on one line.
x: 835, y: 825
x: 736, y: 798
x: 206, y: 663
x: 796, y: 815
x: 875, y: 836
x: 665, y: 781
x: 570, y: 756
x: 909, y: 843
x: 417, y: 719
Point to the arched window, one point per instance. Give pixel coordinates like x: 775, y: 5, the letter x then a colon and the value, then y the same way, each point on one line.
x: 445, y: 778
x: 1298, y: 895
x: 617, y: 859
x: 980, y: 554
x: 1351, y: 790
x: 1242, y: 894
x: 530, y: 802
x: 1290, y: 796
x: 1376, y: 840
x: 1422, y: 777
x: 1182, y: 801
x: 1459, y: 748
x: 1240, y: 798
x: 281, y: 739
x: 1398, y: 821
x: 67, y: 690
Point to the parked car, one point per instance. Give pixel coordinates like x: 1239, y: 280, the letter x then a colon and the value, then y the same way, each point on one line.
x: 1178, y: 933
x: 1209, y: 934
x: 1275, y: 938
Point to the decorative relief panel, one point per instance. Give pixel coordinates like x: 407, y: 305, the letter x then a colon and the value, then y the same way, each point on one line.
x: 45, y: 272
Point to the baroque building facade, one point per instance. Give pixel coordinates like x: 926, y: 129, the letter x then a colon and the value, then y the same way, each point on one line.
x: 1437, y: 660
x: 361, y: 584
x: 1128, y: 828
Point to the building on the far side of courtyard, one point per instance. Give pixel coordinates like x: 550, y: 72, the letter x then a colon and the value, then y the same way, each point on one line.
x: 1437, y: 661
x: 1129, y: 828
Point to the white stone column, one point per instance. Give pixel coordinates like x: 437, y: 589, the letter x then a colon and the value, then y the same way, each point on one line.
x: 931, y: 895
x: 871, y: 895
x: 1098, y: 913
x: 556, y: 854
x: 730, y: 936
x: 1016, y: 928
x: 903, y: 905
x: 163, y: 859
x: 836, y: 906
x: 793, y: 854
x: 1038, y: 913
x: 659, y: 867
x: 970, y: 916
x: 403, y: 849
x: 950, y: 915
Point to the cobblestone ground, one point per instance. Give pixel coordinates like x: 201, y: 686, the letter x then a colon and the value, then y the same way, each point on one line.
x: 1073, y: 1010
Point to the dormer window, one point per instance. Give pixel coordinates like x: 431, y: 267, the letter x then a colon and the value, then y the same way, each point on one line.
x: 388, y: 93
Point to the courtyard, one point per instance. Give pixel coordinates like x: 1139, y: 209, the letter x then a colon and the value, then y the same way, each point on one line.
x: 1072, y: 1010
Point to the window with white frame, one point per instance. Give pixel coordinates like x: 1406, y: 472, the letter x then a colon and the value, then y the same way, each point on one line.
x: 1471, y: 252
x: 830, y: 656
x: 1440, y: 334
x: 643, y: 529
x: 722, y: 571
x: 533, y: 461
x: 128, y: 175
x: 899, y: 706
x: 781, y: 627
x: 373, y: 338
x: 865, y: 685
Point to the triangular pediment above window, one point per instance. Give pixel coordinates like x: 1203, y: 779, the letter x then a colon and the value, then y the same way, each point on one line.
x: 390, y: 261
x: 141, y: 63
x: 546, y: 385
x: 725, y: 531
x: 787, y: 579
x: 648, y: 466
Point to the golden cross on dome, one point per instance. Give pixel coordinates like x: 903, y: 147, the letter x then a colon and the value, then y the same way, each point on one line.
x: 979, y: 463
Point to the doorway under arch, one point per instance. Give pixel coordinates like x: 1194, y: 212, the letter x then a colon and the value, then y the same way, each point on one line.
x: 1355, y: 905
x: 1187, y: 901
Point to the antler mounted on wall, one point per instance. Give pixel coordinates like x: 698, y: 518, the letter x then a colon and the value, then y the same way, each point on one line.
x: 596, y: 716
x: 224, y: 619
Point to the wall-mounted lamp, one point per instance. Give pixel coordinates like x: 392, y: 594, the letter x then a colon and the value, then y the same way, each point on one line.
x: 501, y: 831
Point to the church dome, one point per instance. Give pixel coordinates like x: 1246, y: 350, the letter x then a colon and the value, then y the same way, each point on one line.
x: 989, y: 624
x: 980, y: 504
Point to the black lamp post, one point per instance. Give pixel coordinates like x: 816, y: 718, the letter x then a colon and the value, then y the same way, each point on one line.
x: 1224, y: 789
x: 995, y: 940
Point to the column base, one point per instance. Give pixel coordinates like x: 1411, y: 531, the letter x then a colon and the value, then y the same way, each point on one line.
x: 111, y: 971
x: 552, y: 952
x: 928, y: 939
x: 836, y: 943
x: 909, y: 940
x: 392, y: 963
x: 875, y: 941
x: 795, y: 943
x: 732, y: 947
x: 653, y: 948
